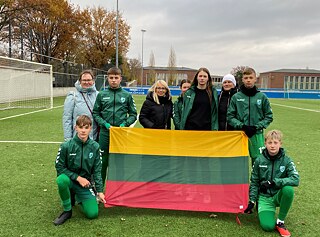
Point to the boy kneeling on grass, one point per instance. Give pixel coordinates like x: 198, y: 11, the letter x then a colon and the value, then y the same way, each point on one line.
x: 78, y: 165
x: 272, y: 179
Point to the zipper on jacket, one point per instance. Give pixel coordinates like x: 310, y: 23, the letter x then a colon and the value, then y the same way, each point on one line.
x: 249, y: 124
x: 81, y: 157
x: 271, y: 175
x: 164, y: 116
x: 114, y: 106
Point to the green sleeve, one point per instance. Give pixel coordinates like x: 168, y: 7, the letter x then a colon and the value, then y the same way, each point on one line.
x: 96, y: 112
x: 177, y: 107
x: 232, y: 114
x: 97, y: 171
x: 292, y: 177
x: 61, y: 163
x: 254, y: 182
x: 132, y: 111
x: 268, y: 115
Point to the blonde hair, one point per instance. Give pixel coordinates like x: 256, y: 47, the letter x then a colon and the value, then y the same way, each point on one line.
x: 83, y: 120
x: 153, y: 89
x: 274, y: 135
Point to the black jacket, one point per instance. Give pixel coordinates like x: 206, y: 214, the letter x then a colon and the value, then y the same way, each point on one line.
x: 224, y: 101
x: 153, y: 115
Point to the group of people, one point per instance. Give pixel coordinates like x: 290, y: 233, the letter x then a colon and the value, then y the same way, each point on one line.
x: 88, y: 116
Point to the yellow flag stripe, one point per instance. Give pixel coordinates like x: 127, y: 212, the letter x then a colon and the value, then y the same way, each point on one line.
x: 178, y: 143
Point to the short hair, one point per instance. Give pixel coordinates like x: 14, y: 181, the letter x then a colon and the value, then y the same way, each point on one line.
x: 83, y: 120
x: 248, y: 71
x: 114, y: 71
x: 274, y: 135
x: 86, y: 72
x: 185, y: 81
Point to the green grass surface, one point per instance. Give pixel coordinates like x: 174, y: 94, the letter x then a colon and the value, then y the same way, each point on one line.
x: 30, y: 201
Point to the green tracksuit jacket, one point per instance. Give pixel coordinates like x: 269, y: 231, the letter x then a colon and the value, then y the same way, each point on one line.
x: 188, y: 99
x: 177, y: 109
x: 76, y: 158
x: 249, y: 110
x: 281, y: 170
x: 114, y: 106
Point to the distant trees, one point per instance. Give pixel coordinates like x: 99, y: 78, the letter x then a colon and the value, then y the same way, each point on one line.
x: 237, y: 72
x: 172, y: 64
x: 58, y: 29
x: 152, y: 72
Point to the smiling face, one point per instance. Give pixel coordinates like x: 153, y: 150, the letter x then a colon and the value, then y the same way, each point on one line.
x: 160, y: 89
x: 114, y: 81
x: 273, y: 146
x: 184, y: 87
x: 86, y: 80
x: 227, y: 85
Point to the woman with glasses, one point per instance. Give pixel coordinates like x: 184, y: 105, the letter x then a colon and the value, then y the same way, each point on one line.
x: 80, y: 102
x: 156, y: 111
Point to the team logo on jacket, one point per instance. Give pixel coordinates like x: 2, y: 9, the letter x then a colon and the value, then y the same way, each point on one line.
x: 282, y: 168
x: 258, y: 102
x: 90, y: 155
x: 122, y: 99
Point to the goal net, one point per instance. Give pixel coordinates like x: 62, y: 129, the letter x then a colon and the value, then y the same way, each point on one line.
x: 25, y: 84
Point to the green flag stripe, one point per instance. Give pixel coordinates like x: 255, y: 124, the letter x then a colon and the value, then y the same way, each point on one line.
x: 181, y: 170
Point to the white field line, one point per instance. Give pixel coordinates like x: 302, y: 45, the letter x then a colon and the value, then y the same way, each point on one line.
x: 292, y: 107
x: 18, y: 115
x: 31, y: 142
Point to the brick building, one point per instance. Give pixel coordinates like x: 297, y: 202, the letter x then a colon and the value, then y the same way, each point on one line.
x: 290, y: 79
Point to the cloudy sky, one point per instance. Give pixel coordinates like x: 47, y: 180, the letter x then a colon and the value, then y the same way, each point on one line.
x: 221, y: 34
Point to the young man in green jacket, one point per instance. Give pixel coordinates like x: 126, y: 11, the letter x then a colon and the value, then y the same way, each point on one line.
x: 78, y: 165
x: 272, y: 179
x: 113, y: 107
x: 250, y: 111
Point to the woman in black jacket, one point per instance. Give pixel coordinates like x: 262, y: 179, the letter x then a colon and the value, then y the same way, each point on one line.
x: 227, y: 91
x: 156, y: 111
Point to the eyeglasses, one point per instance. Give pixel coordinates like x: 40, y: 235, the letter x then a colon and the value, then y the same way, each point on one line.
x: 161, y: 88
x: 87, y: 80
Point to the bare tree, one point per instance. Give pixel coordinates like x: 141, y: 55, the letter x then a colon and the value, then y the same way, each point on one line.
x: 172, y: 64
x: 237, y: 72
x: 152, y: 73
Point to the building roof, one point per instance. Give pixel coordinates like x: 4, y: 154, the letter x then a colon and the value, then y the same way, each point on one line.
x: 167, y: 68
x: 305, y: 71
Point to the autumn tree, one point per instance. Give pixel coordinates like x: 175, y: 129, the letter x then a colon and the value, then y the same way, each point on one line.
x: 99, y: 40
x: 152, y: 72
x: 237, y: 72
x: 172, y: 67
x: 47, y: 28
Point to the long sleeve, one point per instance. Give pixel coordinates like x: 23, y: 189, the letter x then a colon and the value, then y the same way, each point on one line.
x: 67, y: 118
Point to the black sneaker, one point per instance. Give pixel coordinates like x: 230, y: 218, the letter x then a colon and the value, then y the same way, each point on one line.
x: 73, y: 197
x: 63, y: 217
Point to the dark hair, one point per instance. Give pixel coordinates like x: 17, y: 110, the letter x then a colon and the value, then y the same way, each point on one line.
x: 86, y: 72
x: 248, y: 71
x: 185, y: 81
x: 209, y: 82
x: 114, y: 71
x: 83, y: 120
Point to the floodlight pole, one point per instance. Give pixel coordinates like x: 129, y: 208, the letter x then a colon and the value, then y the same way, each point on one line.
x: 142, y: 31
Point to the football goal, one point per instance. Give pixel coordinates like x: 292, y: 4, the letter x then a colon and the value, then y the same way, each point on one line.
x: 25, y: 84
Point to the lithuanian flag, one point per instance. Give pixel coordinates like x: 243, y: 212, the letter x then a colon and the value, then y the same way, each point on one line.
x: 180, y: 170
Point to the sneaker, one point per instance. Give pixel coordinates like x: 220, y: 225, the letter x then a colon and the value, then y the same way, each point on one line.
x: 63, y: 217
x: 283, y: 231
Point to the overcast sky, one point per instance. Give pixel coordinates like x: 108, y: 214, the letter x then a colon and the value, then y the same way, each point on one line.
x: 221, y: 34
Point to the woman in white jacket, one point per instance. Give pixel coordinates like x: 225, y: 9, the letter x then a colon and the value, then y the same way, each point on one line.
x: 80, y: 102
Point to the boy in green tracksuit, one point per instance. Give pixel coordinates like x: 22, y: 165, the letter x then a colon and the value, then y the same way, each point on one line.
x: 113, y: 107
x: 272, y: 179
x: 78, y: 165
x: 250, y: 111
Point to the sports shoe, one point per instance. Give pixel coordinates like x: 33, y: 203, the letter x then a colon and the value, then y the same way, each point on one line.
x: 63, y: 217
x: 283, y: 231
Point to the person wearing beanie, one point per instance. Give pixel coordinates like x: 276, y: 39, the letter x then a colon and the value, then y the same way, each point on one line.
x: 250, y: 111
x: 227, y: 91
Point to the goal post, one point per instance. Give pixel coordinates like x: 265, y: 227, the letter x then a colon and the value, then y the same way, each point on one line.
x: 25, y: 84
